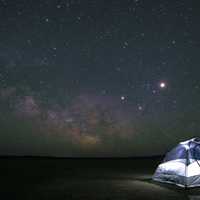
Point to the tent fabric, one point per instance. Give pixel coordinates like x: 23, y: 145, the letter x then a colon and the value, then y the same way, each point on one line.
x: 181, y: 166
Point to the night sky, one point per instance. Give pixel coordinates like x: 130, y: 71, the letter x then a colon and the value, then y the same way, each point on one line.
x: 98, y: 77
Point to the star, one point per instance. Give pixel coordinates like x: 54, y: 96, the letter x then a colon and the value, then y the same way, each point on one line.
x: 118, y: 69
x: 173, y: 41
x: 103, y: 92
x: 123, y: 98
x: 140, y: 108
x: 154, y: 91
x: 162, y: 85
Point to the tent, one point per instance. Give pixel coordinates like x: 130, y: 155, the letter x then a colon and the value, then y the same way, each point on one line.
x: 181, y: 166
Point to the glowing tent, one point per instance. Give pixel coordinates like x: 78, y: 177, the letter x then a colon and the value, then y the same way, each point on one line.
x: 181, y: 166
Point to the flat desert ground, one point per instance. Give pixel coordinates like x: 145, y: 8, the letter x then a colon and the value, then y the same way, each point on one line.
x: 97, y: 179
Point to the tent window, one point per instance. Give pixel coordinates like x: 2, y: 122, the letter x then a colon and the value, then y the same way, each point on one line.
x: 177, y: 153
x: 195, y: 152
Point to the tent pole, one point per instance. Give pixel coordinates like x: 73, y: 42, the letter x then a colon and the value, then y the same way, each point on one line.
x: 186, y: 166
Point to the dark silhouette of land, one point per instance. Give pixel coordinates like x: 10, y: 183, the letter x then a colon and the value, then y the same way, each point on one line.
x: 83, y: 178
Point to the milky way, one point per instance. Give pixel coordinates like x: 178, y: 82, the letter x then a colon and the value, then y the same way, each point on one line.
x: 98, y: 78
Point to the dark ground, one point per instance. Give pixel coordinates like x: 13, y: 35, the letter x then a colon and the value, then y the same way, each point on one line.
x: 117, y: 179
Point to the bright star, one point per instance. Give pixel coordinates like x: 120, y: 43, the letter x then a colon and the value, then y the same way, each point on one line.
x: 162, y: 85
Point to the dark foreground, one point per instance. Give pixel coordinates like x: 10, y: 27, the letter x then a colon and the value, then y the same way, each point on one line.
x: 117, y: 179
